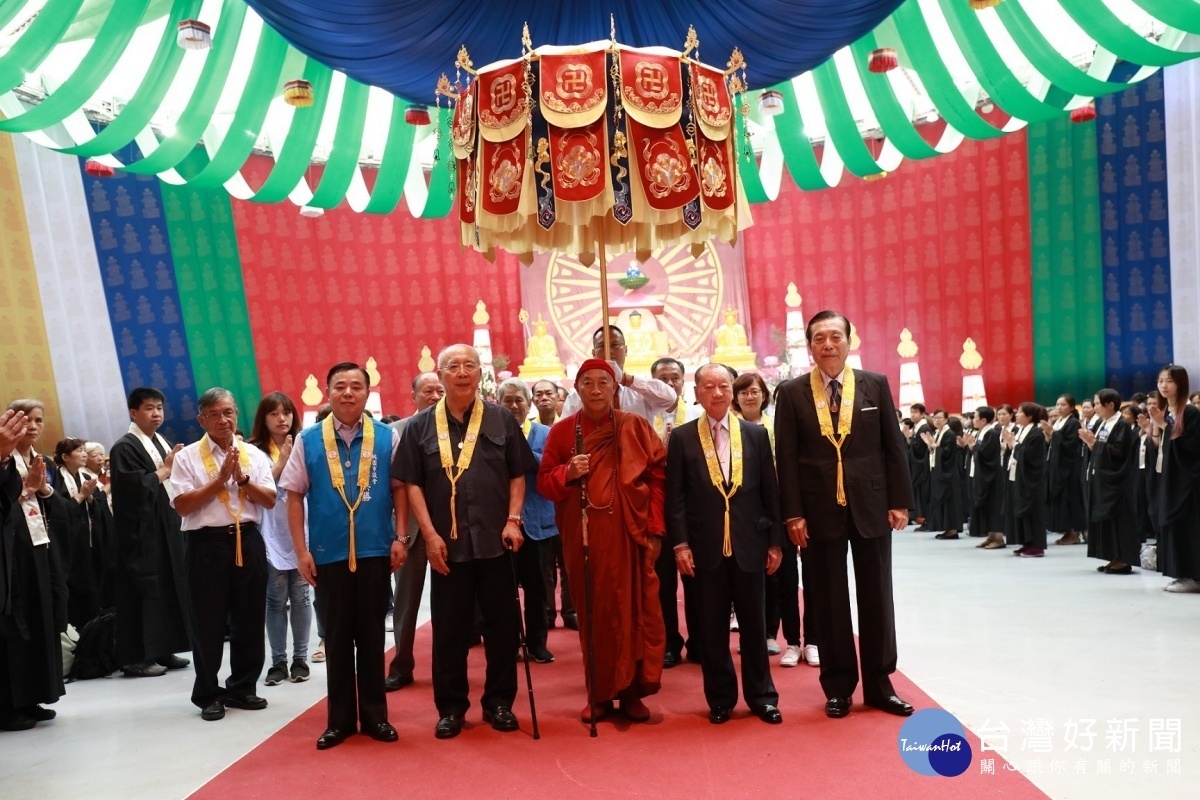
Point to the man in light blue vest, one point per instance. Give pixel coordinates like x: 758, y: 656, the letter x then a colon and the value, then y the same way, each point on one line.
x: 342, y: 467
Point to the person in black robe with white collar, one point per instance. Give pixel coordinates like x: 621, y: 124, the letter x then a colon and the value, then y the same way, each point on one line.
x: 918, y: 464
x: 1179, y: 483
x: 987, y: 480
x: 1064, y: 477
x: 33, y: 589
x: 943, y: 512
x: 151, y: 579
x: 1026, y: 511
x: 1112, y: 490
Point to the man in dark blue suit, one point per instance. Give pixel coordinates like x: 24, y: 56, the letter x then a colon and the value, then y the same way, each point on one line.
x: 844, y: 481
x: 723, y: 521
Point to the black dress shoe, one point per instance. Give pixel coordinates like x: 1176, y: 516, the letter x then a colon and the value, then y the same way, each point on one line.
x: 947, y: 535
x: 381, y: 732
x: 670, y: 660
x: 16, y: 722
x: 448, y: 726
x: 332, y: 738
x: 394, y: 683
x: 213, y: 711
x: 1125, y: 570
x: 501, y: 719
x: 173, y: 662
x: 893, y: 705
x: 247, y: 702
x: 836, y: 707
x: 541, y: 655
x: 37, y: 713
x: 769, y: 714
x: 143, y: 669
x: 718, y: 716
x: 571, y: 622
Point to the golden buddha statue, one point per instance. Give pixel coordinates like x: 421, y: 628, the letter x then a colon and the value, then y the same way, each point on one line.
x: 732, y: 344
x: 541, y: 355
x: 643, y: 349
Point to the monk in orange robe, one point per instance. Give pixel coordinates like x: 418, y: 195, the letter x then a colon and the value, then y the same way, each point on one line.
x: 624, y: 461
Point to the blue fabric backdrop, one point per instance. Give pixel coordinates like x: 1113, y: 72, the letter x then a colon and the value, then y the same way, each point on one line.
x: 404, y: 45
x: 1134, y: 235
x: 143, y: 301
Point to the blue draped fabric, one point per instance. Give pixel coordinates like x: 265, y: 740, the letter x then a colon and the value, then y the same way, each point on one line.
x: 138, y: 273
x: 403, y: 45
x: 1134, y: 234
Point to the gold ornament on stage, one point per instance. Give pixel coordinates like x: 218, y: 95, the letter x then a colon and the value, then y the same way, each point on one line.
x: 426, y: 362
x: 793, y: 299
x: 733, y: 348
x: 907, y: 347
x: 373, y: 371
x: 312, y: 395
x: 970, y: 358
x: 541, y: 354
x: 481, y: 316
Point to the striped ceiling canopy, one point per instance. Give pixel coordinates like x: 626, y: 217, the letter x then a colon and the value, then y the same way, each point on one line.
x: 110, y: 81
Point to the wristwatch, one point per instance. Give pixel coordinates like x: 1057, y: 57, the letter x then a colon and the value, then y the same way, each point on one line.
x: 244, y: 480
x: 514, y: 518
x: 404, y: 540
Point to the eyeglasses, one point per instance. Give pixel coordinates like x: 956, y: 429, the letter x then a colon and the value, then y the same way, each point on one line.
x: 599, y: 348
x: 461, y: 366
x: 750, y: 393
x: 229, y: 413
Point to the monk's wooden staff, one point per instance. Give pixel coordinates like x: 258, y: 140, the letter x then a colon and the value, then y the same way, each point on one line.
x: 587, y: 585
x: 512, y: 560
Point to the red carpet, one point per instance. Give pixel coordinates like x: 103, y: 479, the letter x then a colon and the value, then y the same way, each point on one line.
x: 678, y: 754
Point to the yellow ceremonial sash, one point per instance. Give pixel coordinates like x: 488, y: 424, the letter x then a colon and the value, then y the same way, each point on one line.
x: 210, y: 466
x: 365, y: 456
x: 660, y: 425
x: 273, y: 451
x: 714, y: 467
x: 526, y: 427
x: 466, y: 452
x: 845, y: 417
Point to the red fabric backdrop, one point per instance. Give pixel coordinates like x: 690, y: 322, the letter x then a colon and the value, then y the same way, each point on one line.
x: 347, y: 286
x: 940, y: 247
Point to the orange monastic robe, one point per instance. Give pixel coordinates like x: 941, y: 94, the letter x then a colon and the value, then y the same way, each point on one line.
x: 625, y: 490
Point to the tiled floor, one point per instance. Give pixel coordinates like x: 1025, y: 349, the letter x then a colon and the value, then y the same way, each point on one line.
x: 1038, y: 645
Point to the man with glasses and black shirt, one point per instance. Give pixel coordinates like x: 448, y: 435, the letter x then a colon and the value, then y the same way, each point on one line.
x: 464, y: 462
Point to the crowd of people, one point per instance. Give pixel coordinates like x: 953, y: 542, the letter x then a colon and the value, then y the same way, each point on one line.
x: 1118, y: 475
x: 597, y: 503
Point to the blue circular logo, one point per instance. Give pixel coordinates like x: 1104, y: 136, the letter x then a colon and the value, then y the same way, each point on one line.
x: 933, y: 742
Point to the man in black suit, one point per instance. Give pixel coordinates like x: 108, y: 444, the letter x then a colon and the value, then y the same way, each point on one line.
x: 843, y: 478
x: 724, y: 535
x: 918, y: 464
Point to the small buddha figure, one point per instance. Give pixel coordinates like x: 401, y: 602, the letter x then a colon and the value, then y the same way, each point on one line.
x: 541, y: 355
x: 642, y: 349
x: 732, y: 345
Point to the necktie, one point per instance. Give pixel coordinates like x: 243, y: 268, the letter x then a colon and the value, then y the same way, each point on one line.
x: 835, y: 395
x: 158, y: 446
x: 721, y: 442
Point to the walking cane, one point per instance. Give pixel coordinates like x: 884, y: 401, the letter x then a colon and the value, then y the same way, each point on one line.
x: 587, y: 587
x: 512, y: 560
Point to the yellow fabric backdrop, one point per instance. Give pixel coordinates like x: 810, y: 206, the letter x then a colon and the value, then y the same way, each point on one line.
x: 25, y: 368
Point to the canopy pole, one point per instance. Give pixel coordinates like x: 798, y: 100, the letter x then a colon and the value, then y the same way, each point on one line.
x: 604, y: 301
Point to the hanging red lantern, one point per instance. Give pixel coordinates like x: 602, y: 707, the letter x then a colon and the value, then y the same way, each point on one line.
x: 98, y: 170
x: 298, y: 93
x: 417, y: 115
x: 883, y: 60
x: 1084, y: 113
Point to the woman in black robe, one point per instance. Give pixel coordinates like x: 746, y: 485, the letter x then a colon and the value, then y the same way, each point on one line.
x: 987, y: 480
x: 77, y: 491
x: 1064, y: 479
x: 1179, y: 482
x: 33, y: 592
x: 1026, y: 512
x: 943, y: 512
x: 1111, y: 488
